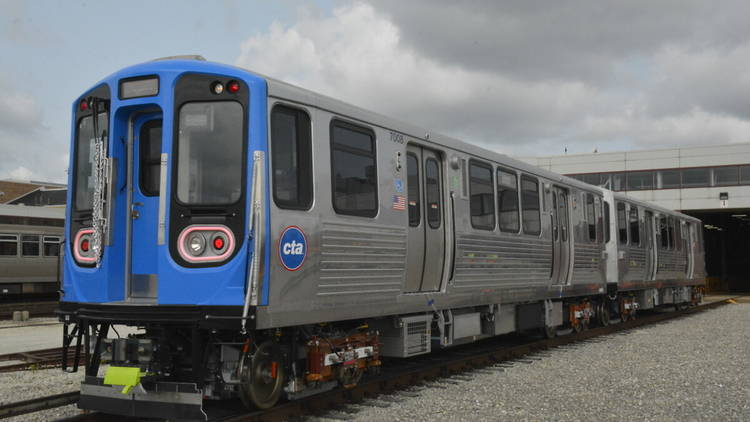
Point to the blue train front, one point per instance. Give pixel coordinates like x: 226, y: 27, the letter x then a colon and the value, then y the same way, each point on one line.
x: 160, y: 229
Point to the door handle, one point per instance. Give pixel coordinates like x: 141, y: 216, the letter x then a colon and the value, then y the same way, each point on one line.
x: 134, y: 214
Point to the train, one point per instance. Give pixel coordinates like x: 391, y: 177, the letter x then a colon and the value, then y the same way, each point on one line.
x: 272, y: 243
x: 30, y: 238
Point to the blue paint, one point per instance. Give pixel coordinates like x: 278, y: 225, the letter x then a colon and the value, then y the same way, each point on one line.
x: 220, y: 285
x: 292, y: 248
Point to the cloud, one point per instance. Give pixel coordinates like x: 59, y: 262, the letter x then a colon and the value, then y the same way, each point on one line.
x: 28, y: 151
x: 528, y: 78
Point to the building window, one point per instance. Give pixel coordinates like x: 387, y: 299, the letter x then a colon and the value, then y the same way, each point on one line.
x: 432, y: 192
x: 725, y: 176
x: 507, y: 200
x: 635, y: 233
x: 291, y: 158
x: 640, y: 180
x: 622, y: 224
x: 668, y: 179
x: 482, y: 197
x: 353, y: 170
x: 694, y: 178
x: 412, y: 182
x: 8, y: 245
x: 531, y: 218
x: 30, y: 245
x: 51, y: 245
x: 745, y: 175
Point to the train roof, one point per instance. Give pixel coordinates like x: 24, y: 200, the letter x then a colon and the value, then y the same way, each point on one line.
x: 54, y: 212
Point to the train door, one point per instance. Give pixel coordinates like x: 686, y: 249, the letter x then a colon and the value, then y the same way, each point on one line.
x: 560, y: 236
x: 650, y: 246
x: 144, y: 218
x: 426, y: 234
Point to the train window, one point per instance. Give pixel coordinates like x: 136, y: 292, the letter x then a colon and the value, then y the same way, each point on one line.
x: 482, y: 197
x: 291, y: 158
x: 30, y: 245
x: 8, y: 245
x: 353, y: 173
x: 150, y: 157
x: 677, y: 234
x: 591, y: 217
x: 670, y: 228
x: 622, y: 224
x: 663, y: 232
x: 635, y: 233
x: 210, y: 153
x: 51, y: 245
x: 530, y: 216
x: 607, y: 234
x: 83, y: 176
x: 507, y: 200
x: 432, y: 191
x: 412, y: 181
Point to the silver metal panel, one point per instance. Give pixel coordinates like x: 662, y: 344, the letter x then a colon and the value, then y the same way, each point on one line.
x: 405, y: 336
x: 467, y: 325
x: 505, y: 320
x: 161, y: 236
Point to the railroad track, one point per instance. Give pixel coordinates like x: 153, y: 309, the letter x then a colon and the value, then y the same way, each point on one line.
x: 36, y: 308
x: 447, y: 366
x: 35, y: 359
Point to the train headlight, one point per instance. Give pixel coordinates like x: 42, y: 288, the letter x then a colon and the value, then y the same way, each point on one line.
x: 196, y: 244
x: 200, y: 243
x: 217, y: 87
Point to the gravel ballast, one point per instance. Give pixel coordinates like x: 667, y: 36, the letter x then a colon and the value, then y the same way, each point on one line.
x: 693, y: 368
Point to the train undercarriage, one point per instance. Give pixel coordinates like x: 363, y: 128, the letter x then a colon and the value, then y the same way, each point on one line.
x: 173, y: 364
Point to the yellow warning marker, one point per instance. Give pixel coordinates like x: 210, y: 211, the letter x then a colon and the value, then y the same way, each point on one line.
x: 127, y: 377
x: 732, y: 301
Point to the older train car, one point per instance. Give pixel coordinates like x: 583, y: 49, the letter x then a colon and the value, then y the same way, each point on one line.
x: 30, y: 239
x: 274, y: 242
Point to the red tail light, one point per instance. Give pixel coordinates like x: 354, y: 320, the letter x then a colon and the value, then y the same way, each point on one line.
x: 233, y: 87
x: 85, y: 245
x: 219, y: 243
x: 84, y: 105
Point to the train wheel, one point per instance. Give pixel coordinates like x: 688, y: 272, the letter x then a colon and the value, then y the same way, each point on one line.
x: 603, y: 314
x: 262, y: 376
x: 349, y: 375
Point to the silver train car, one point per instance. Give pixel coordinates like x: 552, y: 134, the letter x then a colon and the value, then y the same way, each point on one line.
x: 369, y: 238
x: 29, y: 251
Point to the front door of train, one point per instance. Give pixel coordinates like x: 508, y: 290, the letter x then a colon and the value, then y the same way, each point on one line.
x: 560, y: 235
x: 426, y: 239
x: 144, y: 184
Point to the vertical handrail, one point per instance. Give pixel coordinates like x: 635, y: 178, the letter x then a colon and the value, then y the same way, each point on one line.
x: 256, y: 224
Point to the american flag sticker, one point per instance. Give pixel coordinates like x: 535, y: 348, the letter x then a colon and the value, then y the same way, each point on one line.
x: 399, y: 202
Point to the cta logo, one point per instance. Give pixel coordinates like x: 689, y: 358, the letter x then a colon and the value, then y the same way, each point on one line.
x: 292, y: 248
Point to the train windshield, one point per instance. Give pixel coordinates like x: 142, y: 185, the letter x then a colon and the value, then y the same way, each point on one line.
x: 210, y: 153
x: 85, y: 152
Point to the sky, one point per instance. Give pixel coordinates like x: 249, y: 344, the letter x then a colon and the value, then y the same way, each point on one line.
x: 526, y: 78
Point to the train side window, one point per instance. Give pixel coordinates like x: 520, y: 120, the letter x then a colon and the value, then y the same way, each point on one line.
x: 30, y: 245
x: 51, y: 245
x: 353, y: 170
x: 291, y: 158
x: 481, y: 190
x: 607, y: 234
x: 432, y: 192
x: 8, y: 245
x: 412, y: 181
x: 622, y: 224
x: 150, y: 157
x: 663, y: 232
x: 507, y: 201
x: 677, y: 234
x: 635, y: 233
x: 530, y: 216
x: 670, y: 230
x: 591, y: 217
